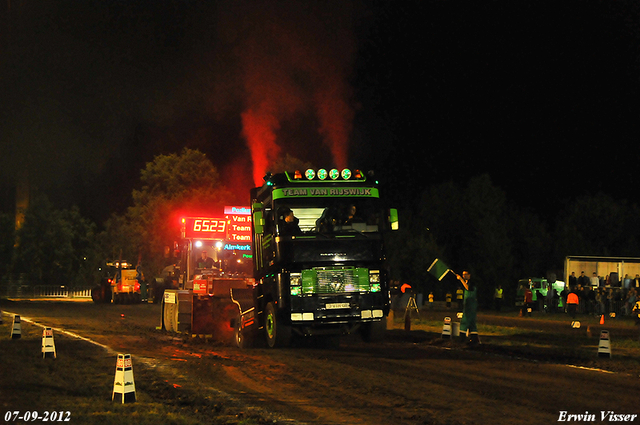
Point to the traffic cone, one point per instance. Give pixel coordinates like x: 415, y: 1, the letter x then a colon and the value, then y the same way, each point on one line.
x: 48, y: 346
x: 16, y: 330
x: 589, y: 331
x: 123, y: 384
x: 602, y: 319
x: 604, y: 347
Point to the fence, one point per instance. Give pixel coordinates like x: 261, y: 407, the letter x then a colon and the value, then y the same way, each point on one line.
x: 45, y: 291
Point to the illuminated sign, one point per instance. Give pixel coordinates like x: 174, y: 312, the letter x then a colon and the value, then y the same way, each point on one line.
x: 239, y: 229
x: 204, y: 228
x: 310, y: 192
x: 233, y: 230
x: 237, y: 210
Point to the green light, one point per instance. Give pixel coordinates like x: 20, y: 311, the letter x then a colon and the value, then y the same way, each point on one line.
x: 334, y: 174
x: 310, y: 174
x: 375, y: 287
x: 346, y: 174
x: 296, y: 290
x: 322, y: 174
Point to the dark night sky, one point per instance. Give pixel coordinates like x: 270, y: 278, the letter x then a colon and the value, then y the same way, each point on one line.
x: 543, y: 96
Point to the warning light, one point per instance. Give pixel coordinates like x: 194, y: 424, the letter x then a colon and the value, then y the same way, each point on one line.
x: 357, y: 174
x: 267, y: 179
x: 297, y: 175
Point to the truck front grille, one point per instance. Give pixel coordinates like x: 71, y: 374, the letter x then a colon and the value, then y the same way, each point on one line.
x: 336, y: 280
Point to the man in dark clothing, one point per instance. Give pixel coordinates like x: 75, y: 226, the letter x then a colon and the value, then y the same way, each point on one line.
x: 205, y: 262
x: 573, y: 280
x: 468, y: 322
x: 289, y: 223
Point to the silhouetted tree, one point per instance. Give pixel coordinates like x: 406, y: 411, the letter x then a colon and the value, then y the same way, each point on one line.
x: 172, y: 186
x: 55, y: 246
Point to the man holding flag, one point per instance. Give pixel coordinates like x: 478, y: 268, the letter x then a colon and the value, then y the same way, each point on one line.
x: 470, y: 308
x: 470, y: 302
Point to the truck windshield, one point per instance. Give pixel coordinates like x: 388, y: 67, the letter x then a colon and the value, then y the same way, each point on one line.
x: 311, y: 216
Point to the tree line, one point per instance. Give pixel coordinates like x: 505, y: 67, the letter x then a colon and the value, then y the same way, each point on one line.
x: 471, y: 226
x: 475, y: 227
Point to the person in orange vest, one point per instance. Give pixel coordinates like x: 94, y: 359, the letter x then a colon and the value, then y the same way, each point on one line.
x: 572, y: 304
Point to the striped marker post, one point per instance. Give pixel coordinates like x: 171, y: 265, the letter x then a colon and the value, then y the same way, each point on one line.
x: 123, y: 384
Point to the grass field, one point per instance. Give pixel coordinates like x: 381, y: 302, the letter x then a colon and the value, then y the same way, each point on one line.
x: 78, y: 385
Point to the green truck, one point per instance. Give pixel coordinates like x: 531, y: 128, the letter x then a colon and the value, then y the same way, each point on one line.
x: 319, y: 258
x: 539, y: 287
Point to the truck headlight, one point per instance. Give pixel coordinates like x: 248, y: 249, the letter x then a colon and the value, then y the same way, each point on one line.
x: 374, y: 276
x: 374, y: 281
x: 295, y: 283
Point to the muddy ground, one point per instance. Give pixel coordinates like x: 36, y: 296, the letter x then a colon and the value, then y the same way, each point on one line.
x: 527, y: 370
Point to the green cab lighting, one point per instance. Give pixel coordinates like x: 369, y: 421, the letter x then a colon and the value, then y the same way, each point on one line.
x: 310, y: 174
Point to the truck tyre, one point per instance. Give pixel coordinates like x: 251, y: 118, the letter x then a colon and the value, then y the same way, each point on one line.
x: 96, y: 295
x: 277, y: 333
x: 374, y: 331
x: 169, y: 317
x: 106, y: 292
x: 242, y: 337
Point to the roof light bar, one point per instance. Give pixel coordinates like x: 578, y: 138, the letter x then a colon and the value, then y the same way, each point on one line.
x: 323, y: 174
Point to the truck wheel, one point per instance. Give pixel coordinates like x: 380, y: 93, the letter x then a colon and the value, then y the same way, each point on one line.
x: 106, y: 294
x: 374, y: 331
x: 96, y: 295
x: 242, y: 337
x: 277, y: 333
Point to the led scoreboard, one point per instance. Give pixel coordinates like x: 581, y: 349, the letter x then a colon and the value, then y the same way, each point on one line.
x: 239, y: 228
x: 204, y: 228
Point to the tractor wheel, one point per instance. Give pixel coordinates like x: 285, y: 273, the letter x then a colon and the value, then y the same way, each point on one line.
x: 96, y: 295
x: 277, y: 333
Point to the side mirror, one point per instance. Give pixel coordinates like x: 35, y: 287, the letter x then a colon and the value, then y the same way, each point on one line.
x: 393, y: 218
x: 258, y: 220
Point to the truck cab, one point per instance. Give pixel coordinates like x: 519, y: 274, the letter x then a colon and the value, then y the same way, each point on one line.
x: 319, y: 259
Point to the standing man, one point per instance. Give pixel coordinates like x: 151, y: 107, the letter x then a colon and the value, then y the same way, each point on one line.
x: 497, y: 297
x: 470, y: 309
x: 572, y: 304
x: 573, y: 280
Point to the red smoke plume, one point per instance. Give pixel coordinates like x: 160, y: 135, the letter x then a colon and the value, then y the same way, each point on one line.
x: 258, y: 128
x: 295, y: 59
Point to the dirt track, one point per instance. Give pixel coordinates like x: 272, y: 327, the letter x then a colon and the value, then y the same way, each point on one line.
x: 412, y: 378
